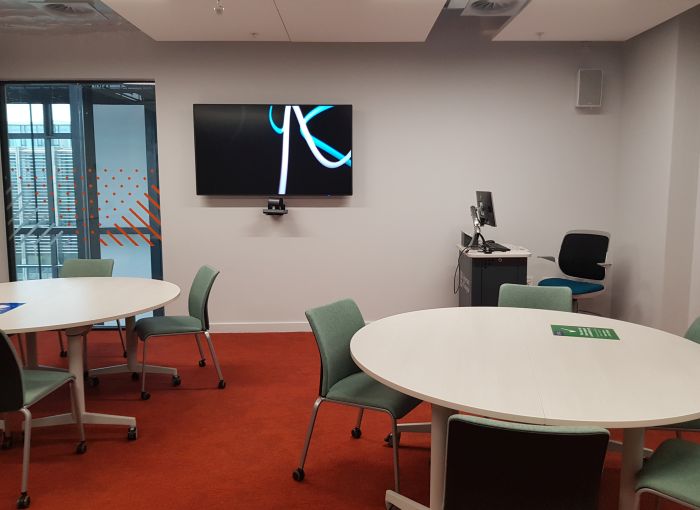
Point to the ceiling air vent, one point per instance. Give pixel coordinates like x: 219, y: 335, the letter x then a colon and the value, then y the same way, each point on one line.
x: 83, y: 10
x: 493, y: 7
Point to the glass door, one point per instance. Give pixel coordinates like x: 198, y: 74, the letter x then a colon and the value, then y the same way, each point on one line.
x: 81, y: 177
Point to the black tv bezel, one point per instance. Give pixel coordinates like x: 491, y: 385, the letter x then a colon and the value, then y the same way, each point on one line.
x: 290, y: 195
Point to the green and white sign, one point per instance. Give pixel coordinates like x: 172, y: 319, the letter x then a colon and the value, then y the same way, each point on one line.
x: 585, y: 332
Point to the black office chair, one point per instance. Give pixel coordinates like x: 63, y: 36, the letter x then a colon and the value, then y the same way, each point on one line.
x: 583, y: 264
x: 496, y: 465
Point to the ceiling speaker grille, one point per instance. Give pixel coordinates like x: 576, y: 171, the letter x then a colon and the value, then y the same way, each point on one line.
x: 494, y: 7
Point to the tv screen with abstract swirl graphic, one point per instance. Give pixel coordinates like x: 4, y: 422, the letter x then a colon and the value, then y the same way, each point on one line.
x: 273, y: 150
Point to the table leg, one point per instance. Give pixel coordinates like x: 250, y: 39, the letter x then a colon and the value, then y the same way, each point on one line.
x: 438, y: 442
x: 132, y: 363
x: 632, y: 458
x: 32, y: 357
x: 75, y: 367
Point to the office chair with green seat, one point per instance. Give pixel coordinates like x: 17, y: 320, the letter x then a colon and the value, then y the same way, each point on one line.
x: 22, y: 388
x: 342, y: 381
x: 692, y: 334
x: 527, y: 296
x: 85, y: 268
x: 193, y: 324
x: 497, y: 465
x: 672, y: 472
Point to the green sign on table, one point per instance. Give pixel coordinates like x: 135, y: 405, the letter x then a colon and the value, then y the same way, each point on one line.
x: 585, y: 332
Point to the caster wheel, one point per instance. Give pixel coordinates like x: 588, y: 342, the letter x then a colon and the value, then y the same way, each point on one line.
x: 356, y: 433
x: 134, y: 376
x: 63, y: 354
x: 132, y: 435
x: 81, y: 448
x: 6, y: 442
x: 176, y: 380
x: 124, y: 354
x: 145, y: 395
x: 298, y: 474
x: 222, y: 384
x: 389, y: 440
x: 202, y: 363
x: 94, y: 382
x: 23, y: 501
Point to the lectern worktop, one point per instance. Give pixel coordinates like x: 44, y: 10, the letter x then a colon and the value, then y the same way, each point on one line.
x: 482, y: 274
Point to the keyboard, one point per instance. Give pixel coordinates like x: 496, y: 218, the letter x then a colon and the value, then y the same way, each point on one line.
x: 496, y: 247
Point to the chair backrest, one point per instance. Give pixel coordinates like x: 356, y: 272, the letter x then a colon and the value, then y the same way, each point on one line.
x: 496, y: 465
x: 76, y: 268
x: 333, y: 326
x: 527, y: 296
x: 199, y: 294
x: 580, y: 253
x: 693, y: 332
x: 11, y: 385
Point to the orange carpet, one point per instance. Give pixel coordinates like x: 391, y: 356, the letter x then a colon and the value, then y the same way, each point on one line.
x: 203, y: 447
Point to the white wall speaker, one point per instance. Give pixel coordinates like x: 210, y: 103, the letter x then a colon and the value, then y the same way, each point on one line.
x: 589, y: 90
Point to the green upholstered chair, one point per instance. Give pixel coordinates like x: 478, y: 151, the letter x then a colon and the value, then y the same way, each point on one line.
x: 193, y: 324
x: 85, y: 268
x: 497, y: 465
x: 21, y: 388
x: 693, y: 334
x: 343, y: 382
x: 527, y: 296
x: 673, y: 473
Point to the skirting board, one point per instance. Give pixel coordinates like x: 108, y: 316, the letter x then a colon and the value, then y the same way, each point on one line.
x: 258, y: 327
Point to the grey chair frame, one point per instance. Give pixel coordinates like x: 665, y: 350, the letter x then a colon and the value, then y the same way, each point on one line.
x: 24, y: 499
x: 205, y: 331
x: 393, y: 439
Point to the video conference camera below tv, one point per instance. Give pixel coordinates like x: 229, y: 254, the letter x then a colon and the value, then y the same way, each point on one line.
x: 483, y: 214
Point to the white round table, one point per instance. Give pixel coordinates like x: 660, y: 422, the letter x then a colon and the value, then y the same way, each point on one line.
x: 74, y: 305
x: 506, y: 363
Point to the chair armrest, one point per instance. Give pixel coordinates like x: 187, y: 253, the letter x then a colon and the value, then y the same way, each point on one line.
x: 551, y: 258
x: 398, y: 501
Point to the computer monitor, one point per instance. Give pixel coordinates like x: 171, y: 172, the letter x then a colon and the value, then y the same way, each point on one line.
x: 484, y: 208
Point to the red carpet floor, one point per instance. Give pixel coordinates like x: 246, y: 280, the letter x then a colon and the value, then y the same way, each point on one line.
x: 203, y: 447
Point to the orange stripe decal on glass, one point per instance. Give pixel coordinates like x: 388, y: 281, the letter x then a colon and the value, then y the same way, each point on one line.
x: 155, y: 188
x: 145, y: 224
x: 151, y: 200
x: 155, y: 218
x: 137, y: 231
x: 125, y: 234
x: 102, y: 241
x: 114, y: 238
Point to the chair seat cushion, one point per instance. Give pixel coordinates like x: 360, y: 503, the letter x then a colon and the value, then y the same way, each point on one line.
x: 361, y: 389
x: 39, y: 383
x: 169, y: 325
x: 577, y: 288
x: 673, y: 469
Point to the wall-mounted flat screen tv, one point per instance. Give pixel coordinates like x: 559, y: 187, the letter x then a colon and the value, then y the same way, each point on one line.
x: 264, y: 149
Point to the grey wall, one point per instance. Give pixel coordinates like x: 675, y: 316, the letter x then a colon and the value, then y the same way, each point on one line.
x: 657, y: 181
x: 433, y: 123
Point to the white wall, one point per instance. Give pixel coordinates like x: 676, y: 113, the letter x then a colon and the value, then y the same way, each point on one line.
x: 658, y: 176
x: 433, y: 122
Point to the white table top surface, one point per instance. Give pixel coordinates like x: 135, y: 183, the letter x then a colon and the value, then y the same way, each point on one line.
x: 506, y: 363
x: 63, y: 303
x: 515, y: 252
